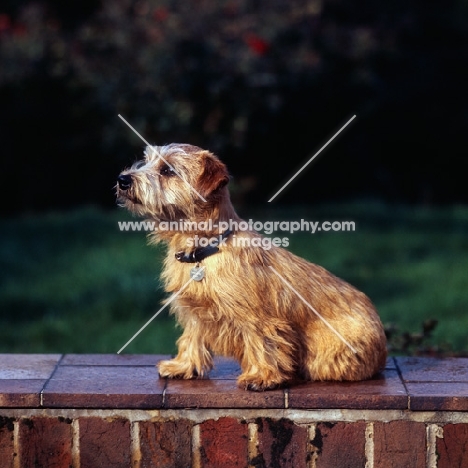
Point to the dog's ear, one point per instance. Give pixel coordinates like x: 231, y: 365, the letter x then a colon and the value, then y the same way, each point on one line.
x: 214, y: 175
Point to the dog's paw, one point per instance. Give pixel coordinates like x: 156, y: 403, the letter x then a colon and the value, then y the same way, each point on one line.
x: 175, y: 369
x: 257, y: 383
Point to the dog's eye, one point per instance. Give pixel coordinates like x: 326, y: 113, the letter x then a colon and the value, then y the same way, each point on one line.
x: 167, y: 170
x: 139, y: 164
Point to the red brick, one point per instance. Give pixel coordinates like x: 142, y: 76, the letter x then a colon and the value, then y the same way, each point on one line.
x: 340, y: 445
x: 112, y: 359
x: 105, y: 442
x: 452, y: 450
x: 281, y: 444
x: 383, y: 391
x: 20, y: 393
x: 438, y: 396
x: 7, y: 451
x: 45, y: 442
x: 223, y: 443
x: 166, y: 444
x: 399, y: 443
x: 218, y: 393
x: 104, y: 387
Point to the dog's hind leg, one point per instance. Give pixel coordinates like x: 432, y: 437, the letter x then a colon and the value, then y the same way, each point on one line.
x: 267, y: 360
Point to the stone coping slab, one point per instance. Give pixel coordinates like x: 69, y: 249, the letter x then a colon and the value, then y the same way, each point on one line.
x: 108, y: 381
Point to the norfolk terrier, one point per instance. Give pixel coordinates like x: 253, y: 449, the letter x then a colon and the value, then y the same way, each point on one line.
x: 284, y: 319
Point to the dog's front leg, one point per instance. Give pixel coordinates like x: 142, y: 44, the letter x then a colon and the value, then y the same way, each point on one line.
x: 194, y: 360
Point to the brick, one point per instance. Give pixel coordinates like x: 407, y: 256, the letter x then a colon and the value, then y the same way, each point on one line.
x: 166, y: 444
x: 86, y: 386
x: 339, y: 445
x: 28, y: 366
x: 438, y: 396
x: 223, y: 443
x: 383, y: 391
x: 218, y: 393
x: 20, y: 393
x: 452, y: 450
x: 45, y: 442
x: 399, y: 443
x: 112, y: 359
x: 105, y: 442
x: 7, y: 450
x: 281, y: 443
x: 225, y: 369
x: 390, y: 364
x: 422, y: 369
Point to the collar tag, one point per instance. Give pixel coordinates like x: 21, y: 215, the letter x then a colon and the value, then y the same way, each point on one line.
x: 197, y: 273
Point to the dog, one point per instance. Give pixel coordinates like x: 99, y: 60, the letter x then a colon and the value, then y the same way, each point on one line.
x: 284, y: 319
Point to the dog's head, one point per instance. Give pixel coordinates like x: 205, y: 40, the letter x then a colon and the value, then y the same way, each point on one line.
x: 172, y: 182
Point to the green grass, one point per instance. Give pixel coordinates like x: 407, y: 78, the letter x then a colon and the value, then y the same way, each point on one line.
x: 72, y: 282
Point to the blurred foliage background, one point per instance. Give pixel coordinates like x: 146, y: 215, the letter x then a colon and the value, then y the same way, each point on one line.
x: 263, y: 84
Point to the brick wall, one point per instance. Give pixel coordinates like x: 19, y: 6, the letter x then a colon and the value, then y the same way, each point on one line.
x: 107, y: 411
x: 184, y: 438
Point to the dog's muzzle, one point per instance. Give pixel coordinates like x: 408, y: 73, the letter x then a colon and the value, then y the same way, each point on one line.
x: 124, y: 181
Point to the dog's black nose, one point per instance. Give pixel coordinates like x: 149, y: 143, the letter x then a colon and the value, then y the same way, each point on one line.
x: 124, y: 181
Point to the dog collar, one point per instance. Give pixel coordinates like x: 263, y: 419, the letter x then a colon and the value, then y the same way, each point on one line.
x: 200, y: 253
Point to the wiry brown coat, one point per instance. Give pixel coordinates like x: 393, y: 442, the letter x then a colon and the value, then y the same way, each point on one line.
x: 242, y: 307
